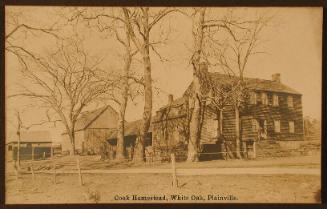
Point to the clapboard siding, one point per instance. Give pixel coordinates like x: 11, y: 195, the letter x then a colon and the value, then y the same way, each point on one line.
x: 95, y: 139
x: 209, y: 127
x: 229, y: 122
x: 282, y: 112
x: 170, y: 127
x: 170, y: 123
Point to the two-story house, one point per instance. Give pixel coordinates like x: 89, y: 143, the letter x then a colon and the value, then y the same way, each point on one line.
x: 273, y: 111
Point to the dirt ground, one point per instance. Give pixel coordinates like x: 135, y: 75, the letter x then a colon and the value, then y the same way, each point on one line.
x: 244, y: 188
x: 118, y: 188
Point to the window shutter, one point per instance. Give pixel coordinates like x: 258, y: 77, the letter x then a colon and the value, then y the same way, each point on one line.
x: 275, y: 100
x: 290, y: 101
x: 291, y: 126
x: 277, y: 126
x: 264, y: 98
x: 253, y: 98
x: 255, y: 125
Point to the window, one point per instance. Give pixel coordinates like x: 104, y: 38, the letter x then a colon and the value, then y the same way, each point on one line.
x: 291, y: 126
x: 264, y: 98
x: 275, y: 100
x: 255, y: 125
x: 253, y: 98
x: 277, y: 126
x: 290, y: 101
x: 9, y: 148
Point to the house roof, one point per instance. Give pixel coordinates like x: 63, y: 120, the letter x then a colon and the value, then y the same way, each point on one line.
x: 252, y: 83
x: 177, y: 102
x: 88, y: 117
x: 32, y: 136
x: 131, y: 128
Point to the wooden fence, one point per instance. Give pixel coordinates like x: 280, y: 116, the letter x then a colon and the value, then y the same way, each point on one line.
x: 75, y: 168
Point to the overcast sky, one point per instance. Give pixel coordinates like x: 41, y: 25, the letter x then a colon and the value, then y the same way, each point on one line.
x: 293, y: 43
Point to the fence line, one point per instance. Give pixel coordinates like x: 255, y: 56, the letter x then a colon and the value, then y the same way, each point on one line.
x: 75, y: 161
x: 148, y: 159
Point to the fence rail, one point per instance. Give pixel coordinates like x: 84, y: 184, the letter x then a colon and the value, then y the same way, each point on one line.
x: 54, y: 166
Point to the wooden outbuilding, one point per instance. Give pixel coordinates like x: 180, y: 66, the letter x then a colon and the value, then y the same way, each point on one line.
x: 33, y: 145
x: 91, y: 130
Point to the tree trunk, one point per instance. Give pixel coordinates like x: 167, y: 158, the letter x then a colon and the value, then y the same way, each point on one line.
x: 237, y: 133
x: 221, y: 140
x: 220, y: 124
x: 140, y: 149
x: 145, y: 52
x: 120, y: 153
x: 18, y: 149
x: 193, y: 144
x: 196, y: 59
x: 19, y: 127
x: 72, y: 141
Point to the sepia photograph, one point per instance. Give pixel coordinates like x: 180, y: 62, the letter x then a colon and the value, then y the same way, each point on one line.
x: 162, y: 104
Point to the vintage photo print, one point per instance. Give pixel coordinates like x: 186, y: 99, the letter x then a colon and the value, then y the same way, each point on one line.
x: 162, y: 104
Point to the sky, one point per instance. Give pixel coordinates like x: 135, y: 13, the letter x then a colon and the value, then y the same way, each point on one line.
x: 293, y: 43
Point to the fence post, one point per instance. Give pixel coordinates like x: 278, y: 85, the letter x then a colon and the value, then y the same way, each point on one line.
x: 15, y: 168
x: 32, y: 170
x: 79, y: 172
x: 254, y: 150
x: 173, y: 166
x: 33, y: 152
x: 54, y: 173
x: 43, y: 155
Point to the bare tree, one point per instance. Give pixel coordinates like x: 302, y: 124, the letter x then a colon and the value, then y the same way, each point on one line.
x: 244, y: 38
x: 66, y: 81
x: 232, y: 55
x: 198, y: 36
x: 219, y: 98
x: 16, y: 28
x: 19, y: 127
x: 116, y: 26
x: 140, y: 22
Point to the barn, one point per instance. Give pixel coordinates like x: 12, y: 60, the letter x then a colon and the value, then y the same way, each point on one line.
x: 92, y: 128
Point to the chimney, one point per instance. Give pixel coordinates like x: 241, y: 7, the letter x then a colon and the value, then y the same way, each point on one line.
x: 276, y: 77
x: 170, y: 99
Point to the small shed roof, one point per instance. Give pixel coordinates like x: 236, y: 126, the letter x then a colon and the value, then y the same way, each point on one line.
x: 32, y: 136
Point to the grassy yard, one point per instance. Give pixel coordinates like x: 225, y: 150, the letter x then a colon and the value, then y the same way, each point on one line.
x: 115, y: 188
x: 245, y: 188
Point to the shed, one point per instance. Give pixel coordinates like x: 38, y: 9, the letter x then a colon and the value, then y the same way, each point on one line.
x: 33, y: 145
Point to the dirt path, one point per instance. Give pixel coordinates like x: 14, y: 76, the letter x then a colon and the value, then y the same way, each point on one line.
x: 248, y: 171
